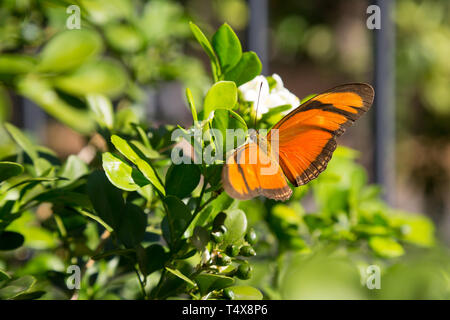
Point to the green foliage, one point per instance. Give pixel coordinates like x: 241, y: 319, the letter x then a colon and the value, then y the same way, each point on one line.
x: 142, y: 227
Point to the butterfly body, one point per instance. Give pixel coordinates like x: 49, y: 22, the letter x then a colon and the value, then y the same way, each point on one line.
x: 298, y: 147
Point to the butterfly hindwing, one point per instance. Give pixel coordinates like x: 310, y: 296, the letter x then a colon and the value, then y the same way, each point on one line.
x: 251, y: 171
x: 307, y: 135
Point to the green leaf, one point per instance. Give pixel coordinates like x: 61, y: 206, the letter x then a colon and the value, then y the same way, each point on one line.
x: 69, y: 50
x: 386, y: 247
x: 15, y: 64
x: 10, y: 240
x: 275, y: 114
x: 41, y: 91
x: 22, y: 141
x: 223, y: 94
x: 130, y: 152
x: 121, y: 174
x: 178, y: 274
x: 73, y: 169
x: 227, y: 47
x: 104, y: 76
x: 227, y: 119
x: 414, y: 228
x: 191, y: 104
x: 207, y: 214
x: 155, y: 258
x: 125, y: 38
x: 178, y: 217
x: 200, y: 238
x: 4, y: 276
x: 204, y: 42
x: 247, y: 68
x: 106, y: 199
x: 182, y: 179
x: 208, y: 282
x: 132, y: 225
x: 16, y: 287
x: 243, y: 293
x: 236, y: 224
x: 102, y: 108
x: 9, y: 170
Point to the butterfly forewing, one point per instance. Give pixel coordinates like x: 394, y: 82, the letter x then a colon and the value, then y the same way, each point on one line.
x: 307, y: 135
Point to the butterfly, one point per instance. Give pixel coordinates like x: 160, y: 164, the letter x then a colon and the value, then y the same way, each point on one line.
x: 305, y: 140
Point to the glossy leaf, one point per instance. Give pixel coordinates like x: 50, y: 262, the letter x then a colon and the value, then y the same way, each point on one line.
x: 227, y: 47
x: 228, y: 120
x: 102, y: 108
x: 178, y: 274
x: 131, y: 153
x: 236, y: 224
x: 244, y: 293
x: 204, y: 42
x: 222, y: 94
x: 247, y: 68
x: 9, y: 170
x: 208, y: 282
x: 122, y: 175
x: 182, y: 179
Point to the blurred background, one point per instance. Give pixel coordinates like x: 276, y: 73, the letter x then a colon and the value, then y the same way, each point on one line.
x: 144, y: 55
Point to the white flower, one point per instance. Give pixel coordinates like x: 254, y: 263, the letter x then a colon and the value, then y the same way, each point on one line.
x: 278, y: 96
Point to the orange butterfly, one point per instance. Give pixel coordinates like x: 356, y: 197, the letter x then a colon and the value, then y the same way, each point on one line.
x: 305, y: 143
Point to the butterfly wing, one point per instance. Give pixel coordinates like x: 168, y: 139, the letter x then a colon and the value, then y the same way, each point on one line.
x: 307, y: 135
x: 251, y: 171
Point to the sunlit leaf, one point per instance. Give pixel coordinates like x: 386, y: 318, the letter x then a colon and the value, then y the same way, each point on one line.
x: 227, y: 47
x: 247, y: 68
x: 69, y: 49
x: 122, y: 175
x: 243, y: 293
x: 222, y: 94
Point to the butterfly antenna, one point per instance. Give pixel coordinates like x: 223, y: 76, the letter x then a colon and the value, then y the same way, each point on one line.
x: 257, y: 103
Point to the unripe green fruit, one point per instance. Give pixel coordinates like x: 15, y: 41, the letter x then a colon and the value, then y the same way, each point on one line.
x: 247, y: 251
x: 217, y: 236
x: 251, y: 237
x: 233, y: 250
x: 244, y: 271
x: 228, y: 293
x: 223, y: 259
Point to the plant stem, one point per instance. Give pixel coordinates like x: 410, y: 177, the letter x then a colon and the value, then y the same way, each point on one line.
x: 141, y: 283
x: 160, y: 282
